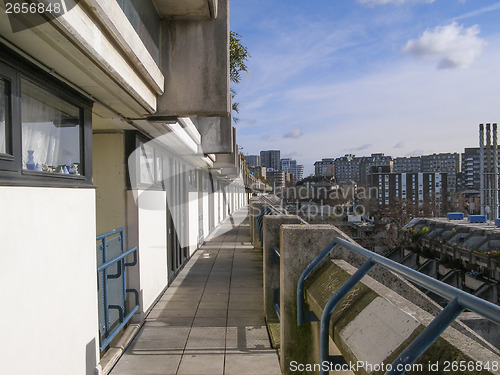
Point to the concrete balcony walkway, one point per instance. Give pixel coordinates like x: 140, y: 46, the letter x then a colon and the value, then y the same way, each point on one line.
x: 210, y: 320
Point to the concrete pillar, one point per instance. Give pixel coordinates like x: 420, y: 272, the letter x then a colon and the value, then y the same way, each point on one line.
x: 271, y: 274
x: 299, y: 246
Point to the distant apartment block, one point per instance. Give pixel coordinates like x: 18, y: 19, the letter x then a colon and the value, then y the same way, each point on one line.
x: 408, y: 165
x: 289, y: 165
x: 352, y: 168
x: 276, y: 179
x: 470, y: 177
x: 416, y: 190
x: 271, y: 159
x: 449, y: 163
x: 253, y: 160
x: 325, y: 167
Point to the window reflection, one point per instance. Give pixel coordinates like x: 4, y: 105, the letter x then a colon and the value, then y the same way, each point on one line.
x: 50, y: 132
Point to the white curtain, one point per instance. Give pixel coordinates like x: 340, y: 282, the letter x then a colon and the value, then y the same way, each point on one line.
x: 44, y: 130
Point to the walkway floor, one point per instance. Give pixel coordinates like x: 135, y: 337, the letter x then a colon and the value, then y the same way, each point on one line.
x: 210, y: 320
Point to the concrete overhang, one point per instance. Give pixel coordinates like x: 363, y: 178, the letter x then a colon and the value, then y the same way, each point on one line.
x: 217, y: 134
x: 187, y: 9
x: 93, y: 48
x: 195, y: 61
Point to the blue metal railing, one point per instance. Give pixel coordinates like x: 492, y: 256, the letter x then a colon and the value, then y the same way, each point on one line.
x: 460, y: 301
x: 259, y: 221
x: 112, y: 285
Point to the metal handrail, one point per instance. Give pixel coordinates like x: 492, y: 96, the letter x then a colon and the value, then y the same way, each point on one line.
x: 303, y: 277
x: 276, y: 255
x: 460, y: 301
x: 103, y: 239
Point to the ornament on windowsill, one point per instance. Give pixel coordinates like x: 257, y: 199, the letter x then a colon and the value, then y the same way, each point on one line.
x: 30, y: 164
x: 38, y: 168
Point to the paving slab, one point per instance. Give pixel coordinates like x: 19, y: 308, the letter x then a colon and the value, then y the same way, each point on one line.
x: 208, y: 321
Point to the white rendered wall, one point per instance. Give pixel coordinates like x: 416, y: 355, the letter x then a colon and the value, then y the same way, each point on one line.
x: 49, y: 295
x: 152, y: 245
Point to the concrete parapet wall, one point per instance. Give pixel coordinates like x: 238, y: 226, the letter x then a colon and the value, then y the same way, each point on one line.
x: 374, y: 324
x: 271, y: 271
x: 299, y: 246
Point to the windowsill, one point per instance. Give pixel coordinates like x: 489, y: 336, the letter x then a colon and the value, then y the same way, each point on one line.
x: 28, y: 172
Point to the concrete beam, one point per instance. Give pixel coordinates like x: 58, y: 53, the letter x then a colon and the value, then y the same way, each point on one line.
x: 187, y: 9
x: 195, y: 61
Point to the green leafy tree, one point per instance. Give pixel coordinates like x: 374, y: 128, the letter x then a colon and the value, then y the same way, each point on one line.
x: 238, y: 56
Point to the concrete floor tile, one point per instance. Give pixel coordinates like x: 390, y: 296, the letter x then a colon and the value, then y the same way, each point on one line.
x: 206, y: 364
x: 211, y: 313
x: 258, y: 364
x: 245, y: 322
x: 163, y: 333
x: 209, y: 322
x: 147, y: 364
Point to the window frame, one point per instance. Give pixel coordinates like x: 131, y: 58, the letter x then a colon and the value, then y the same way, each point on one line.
x: 13, y: 68
x: 8, y: 160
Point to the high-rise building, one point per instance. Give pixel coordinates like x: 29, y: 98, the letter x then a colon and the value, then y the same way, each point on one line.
x: 276, y: 179
x: 270, y: 159
x: 351, y: 168
x: 253, y: 160
x: 449, y: 163
x: 408, y: 164
x: 289, y: 165
x: 426, y: 191
x: 325, y: 167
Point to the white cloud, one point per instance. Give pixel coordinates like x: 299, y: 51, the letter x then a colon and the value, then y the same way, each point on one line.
x: 395, y: 2
x: 293, y: 133
x: 478, y: 12
x: 453, y: 45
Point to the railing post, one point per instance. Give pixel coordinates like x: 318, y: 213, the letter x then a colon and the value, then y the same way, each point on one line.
x: 271, y: 271
x: 299, y: 246
x: 256, y: 206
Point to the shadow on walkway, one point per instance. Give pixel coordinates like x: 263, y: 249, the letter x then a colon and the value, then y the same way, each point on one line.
x: 210, y: 320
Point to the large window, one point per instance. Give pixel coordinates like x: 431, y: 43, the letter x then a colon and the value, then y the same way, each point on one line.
x: 45, y: 128
x: 51, y: 137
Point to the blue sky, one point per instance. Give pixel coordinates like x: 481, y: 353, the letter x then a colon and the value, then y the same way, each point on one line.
x: 331, y: 77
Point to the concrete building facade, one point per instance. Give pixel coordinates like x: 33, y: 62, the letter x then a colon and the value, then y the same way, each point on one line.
x: 271, y: 159
x: 325, y: 167
x: 414, y: 191
x: 253, y: 160
x: 290, y: 166
x: 117, y: 154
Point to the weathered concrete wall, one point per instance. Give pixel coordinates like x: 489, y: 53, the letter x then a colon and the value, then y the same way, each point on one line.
x: 195, y: 62
x: 271, y: 229
x: 374, y: 324
x: 299, y: 246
